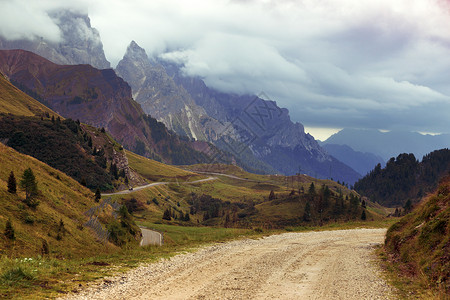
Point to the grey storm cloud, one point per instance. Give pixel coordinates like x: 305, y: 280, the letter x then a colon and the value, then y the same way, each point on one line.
x: 333, y: 63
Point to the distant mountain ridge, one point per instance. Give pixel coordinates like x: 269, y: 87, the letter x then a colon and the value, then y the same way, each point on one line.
x: 362, y: 162
x: 389, y: 144
x: 240, y: 124
x: 267, y: 130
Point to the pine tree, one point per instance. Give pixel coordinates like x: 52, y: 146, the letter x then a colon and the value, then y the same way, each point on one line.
x: 126, y: 180
x: 12, y: 185
x: 98, y: 195
x: 227, y: 221
x: 307, y: 213
x: 363, y: 215
x: 312, y: 189
x: 167, y: 215
x: 363, y: 204
x: 113, y: 170
x: 272, y: 195
x: 29, y: 184
x: 408, y: 206
x: 9, y: 230
x: 44, y: 248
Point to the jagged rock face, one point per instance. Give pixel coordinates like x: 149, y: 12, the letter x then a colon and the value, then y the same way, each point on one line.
x: 162, y: 98
x: 172, y: 105
x: 248, y: 127
x: 81, y: 44
x: 266, y: 129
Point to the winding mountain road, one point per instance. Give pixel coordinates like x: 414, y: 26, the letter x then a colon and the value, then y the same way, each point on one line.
x: 312, y: 265
x: 156, y: 184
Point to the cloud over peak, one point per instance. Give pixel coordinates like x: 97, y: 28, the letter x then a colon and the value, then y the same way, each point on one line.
x: 333, y: 63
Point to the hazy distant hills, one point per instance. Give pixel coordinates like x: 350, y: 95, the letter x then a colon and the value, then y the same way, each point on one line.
x: 389, y: 144
x: 361, y: 162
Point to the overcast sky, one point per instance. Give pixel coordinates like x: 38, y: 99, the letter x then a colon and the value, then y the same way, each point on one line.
x: 381, y: 64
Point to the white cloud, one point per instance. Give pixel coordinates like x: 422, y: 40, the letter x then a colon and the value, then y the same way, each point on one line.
x: 333, y: 63
x: 20, y: 20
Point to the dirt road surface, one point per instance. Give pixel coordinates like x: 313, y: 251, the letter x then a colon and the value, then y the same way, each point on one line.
x: 313, y: 265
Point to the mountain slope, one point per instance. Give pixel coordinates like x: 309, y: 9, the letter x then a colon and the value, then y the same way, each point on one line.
x: 419, y: 244
x: 61, y: 199
x: 358, y: 161
x: 98, y: 98
x: 14, y: 101
x: 80, y: 43
x: 389, y: 144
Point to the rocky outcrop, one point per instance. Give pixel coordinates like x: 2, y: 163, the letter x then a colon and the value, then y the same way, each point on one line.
x: 81, y: 44
x: 163, y: 99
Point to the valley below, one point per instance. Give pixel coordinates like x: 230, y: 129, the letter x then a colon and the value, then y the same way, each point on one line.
x: 336, y: 264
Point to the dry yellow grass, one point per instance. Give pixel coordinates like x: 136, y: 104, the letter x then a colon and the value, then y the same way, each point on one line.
x: 61, y: 198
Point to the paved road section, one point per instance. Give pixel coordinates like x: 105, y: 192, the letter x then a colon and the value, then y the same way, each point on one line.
x: 155, y: 184
x: 313, y: 265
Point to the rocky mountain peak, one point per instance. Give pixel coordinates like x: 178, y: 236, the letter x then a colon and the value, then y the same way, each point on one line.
x: 136, y: 53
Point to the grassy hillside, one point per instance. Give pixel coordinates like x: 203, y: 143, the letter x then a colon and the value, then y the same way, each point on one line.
x: 156, y: 171
x: 83, y: 154
x: 61, y: 199
x: 16, y: 102
x: 419, y: 244
x: 241, y: 199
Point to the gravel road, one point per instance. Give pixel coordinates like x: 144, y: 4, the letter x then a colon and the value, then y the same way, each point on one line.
x: 313, y: 265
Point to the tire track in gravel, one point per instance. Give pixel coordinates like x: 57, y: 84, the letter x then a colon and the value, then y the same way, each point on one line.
x: 313, y: 265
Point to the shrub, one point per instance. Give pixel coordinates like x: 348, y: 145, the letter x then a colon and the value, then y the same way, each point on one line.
x: 16, y: 275
x: 29, y: 219
x: 9, y: 230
